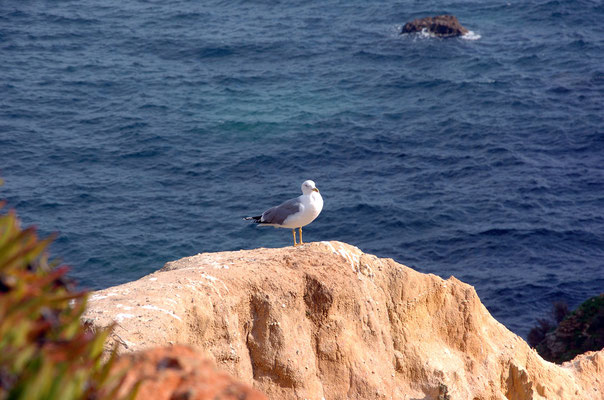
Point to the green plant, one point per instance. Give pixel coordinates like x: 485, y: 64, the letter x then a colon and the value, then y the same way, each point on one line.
x: 545, y: 325
x: 568, y: 334
x: 45, y: 350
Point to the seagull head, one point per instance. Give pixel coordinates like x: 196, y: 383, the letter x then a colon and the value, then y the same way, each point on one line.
x: 308, y: 187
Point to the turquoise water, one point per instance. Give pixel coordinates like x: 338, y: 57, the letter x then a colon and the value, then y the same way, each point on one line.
x: 143, y: 131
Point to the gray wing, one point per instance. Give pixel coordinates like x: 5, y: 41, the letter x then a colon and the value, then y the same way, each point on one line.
x: 278, y: 214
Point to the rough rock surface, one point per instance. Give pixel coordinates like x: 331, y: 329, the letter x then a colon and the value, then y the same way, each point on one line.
x: 179, y: 372
x: 327, y: 320
x: 440, y: 25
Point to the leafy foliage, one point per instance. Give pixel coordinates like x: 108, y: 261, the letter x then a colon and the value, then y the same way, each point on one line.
x: 567, y: 334
x: 545, y: 325
x: 538, y: 332
x: 45, y: 350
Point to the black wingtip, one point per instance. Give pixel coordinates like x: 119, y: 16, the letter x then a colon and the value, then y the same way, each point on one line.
x: 256, y: 219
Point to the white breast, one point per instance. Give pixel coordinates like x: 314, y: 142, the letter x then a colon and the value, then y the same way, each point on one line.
x: 309, y: 210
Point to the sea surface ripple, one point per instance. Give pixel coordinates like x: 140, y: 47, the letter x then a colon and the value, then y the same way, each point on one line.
x: 142, y: 131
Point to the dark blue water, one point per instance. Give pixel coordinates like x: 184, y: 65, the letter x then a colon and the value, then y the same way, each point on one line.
x: 143, y: 131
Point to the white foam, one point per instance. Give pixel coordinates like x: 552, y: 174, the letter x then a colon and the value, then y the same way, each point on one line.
x: 395, y: 31
x: 425, y: 33
x: 471, y: 35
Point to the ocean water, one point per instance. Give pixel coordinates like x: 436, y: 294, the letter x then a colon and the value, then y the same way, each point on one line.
x: 143, y: 131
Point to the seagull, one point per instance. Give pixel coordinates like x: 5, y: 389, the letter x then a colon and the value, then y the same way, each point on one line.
x: 294, y: 213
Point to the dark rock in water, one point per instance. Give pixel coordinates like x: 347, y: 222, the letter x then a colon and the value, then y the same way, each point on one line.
x: 440, y: 25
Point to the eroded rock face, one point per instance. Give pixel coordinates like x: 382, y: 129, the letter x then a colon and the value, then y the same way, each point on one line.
x: 327, y: 320
x: 440, y: 25
x: 179, y: 372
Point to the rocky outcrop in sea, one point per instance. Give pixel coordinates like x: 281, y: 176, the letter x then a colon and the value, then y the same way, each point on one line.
x: 440, y: 25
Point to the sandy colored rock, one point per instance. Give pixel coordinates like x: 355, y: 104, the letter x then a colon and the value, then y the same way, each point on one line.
x: 325, y: 320
x: 179, y: 372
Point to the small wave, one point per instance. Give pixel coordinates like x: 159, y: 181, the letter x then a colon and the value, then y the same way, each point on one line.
x: 396, y: 30
x: 471, y: 35
x: 425, y: 33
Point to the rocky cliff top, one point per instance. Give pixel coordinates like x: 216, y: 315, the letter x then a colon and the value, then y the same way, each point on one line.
x: 326, y: 320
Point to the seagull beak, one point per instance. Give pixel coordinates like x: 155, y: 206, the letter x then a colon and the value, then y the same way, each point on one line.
x: 315, y: 190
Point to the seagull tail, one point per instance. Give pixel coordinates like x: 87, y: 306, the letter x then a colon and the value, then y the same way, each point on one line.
x: 256, y: 219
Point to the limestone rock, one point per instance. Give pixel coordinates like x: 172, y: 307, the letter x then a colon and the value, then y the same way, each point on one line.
x: 440, y: 25
x: 179, y: 372
x: 326, y: 320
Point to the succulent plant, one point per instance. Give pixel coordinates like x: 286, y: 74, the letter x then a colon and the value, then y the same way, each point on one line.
x: 46, y: 352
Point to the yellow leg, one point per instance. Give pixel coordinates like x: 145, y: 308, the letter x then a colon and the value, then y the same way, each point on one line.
x: 301, y: 242
x: 294, y: 232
